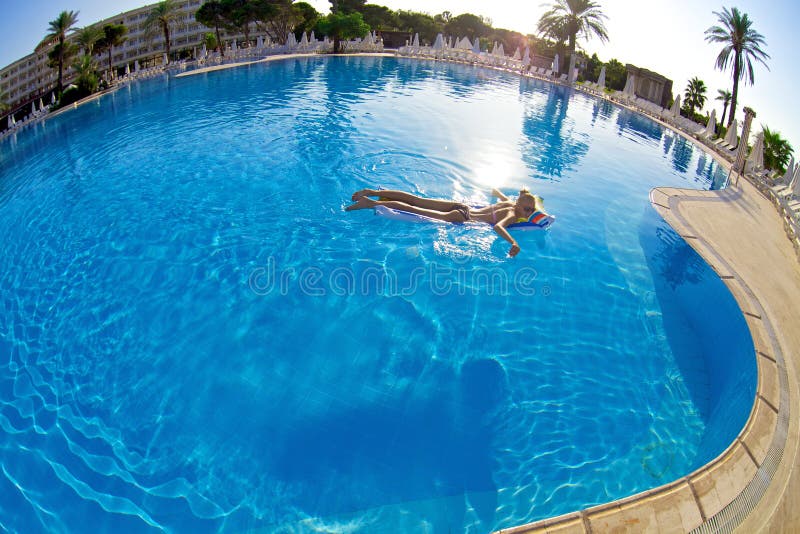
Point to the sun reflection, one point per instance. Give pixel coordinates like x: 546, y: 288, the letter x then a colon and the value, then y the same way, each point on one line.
x: 497, y: 166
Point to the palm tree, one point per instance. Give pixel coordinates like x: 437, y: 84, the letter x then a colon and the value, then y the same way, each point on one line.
x: 86, y: 76
x: 88, y: 38
x: 694, y: 95
x: 577, y: 18
x: 742, y: 44
x: 724, y: 96
x: 163, y: 16
x: 776, y: 151
x: 113, y: 35
x: 57, y: 35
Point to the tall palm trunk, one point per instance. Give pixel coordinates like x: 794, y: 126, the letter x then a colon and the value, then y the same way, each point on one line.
x: 724, y: 111
x: 110, y: 71
x: 60, y: 87
x: 737, y: 62
x: 166, y: 39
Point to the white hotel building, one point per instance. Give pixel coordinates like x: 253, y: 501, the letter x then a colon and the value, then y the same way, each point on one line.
x: 29, y: 79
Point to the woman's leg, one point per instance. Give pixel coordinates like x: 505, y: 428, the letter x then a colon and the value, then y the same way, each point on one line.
x: 408, y: 198
x: 453, y: 216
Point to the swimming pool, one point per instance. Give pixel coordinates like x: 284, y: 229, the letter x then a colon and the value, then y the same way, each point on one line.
x: 195, y: 336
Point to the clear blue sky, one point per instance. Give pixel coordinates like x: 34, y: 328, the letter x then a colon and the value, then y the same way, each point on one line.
x: 665, y: 36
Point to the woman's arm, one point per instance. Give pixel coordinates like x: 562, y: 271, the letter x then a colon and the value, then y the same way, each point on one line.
x: 498, y: 194
x: 500, y: 228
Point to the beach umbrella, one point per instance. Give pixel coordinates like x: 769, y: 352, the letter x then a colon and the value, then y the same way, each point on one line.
x: 33, y: 108
x: 675, y: 110
x: 41, y: 104
x: 787, y: 176
x: 304, y: 39
x: 136, y: 66
x: 52, y: 98
x: 517, y: 56
x: 711, y: 127
x: 165, y: 59
x: 526, y: 57
x: 501, y: 51
x: 233, y: 46
x: 730, y: 137
x: 10, y: 121
x: 630, y: 86
x: 601, y: 81
x: 438, y: 44
x: 476, y: 45
x: 312, y: 38
x: 415, y: 43
x: 556, y: 64
x: 756, y: 157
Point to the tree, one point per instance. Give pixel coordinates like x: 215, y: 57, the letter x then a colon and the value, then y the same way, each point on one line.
x: 280, y: 17
x: 60, y: 54
x: 56, y: 37
x: 776, y: 151
x: 443, y: 18
x: 240, y: 14
x: 339, y: 26
x: 742, y: 47
x: 88, y: 37
x: 210, y: 41
x: 468, y: 25
x: 616, y: 75
x: 163, y: 17
x: 415, y: 22
x: 346, y: 7
x: 577, y: 18
x: 379, y: 17
x: 4, y: 105
x: 113, y: 35
x: 694, y: 95
x: 87, y: 80
x: 306, y: 15
x: 724, y: 96
x: 212, y: 15
x: 593, y: 67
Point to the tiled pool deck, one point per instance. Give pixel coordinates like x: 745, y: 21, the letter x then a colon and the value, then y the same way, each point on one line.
x: 754, y: 485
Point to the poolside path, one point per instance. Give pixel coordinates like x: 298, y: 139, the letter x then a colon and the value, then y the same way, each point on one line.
x: 741, y: 235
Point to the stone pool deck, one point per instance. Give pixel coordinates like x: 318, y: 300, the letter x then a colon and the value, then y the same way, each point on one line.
x: 754, y: 485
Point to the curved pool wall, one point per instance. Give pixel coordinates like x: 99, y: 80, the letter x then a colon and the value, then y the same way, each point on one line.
x: 146, y: 382
x: 694, y: 298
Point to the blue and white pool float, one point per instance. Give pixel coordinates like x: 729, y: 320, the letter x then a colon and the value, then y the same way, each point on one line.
x: 537, y: 221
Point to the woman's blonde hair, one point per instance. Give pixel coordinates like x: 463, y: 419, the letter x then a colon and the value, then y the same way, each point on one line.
x: 525, y: 193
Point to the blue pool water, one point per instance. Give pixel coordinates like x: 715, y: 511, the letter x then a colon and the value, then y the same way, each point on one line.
x: 195, y: 337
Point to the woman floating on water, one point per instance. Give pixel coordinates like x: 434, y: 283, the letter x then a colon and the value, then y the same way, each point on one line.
x: 500, y: 215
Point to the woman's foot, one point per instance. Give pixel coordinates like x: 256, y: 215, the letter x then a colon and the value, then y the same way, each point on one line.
x: 363, y: 193
x: 362, y: 203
